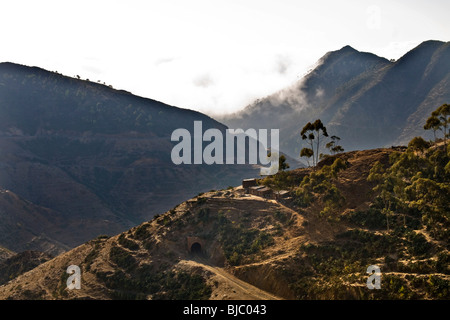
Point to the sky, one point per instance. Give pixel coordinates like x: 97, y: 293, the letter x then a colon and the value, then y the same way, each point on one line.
x: 213, y: 56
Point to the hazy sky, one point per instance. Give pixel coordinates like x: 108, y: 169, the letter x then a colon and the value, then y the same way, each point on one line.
x: 209, y: 55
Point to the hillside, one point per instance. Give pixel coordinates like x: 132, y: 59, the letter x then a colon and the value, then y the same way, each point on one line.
x: 5, y: 254
x: 21, y: 263
x: 314, y: 244
x: 79, y: 159
x: 366, y: 100
x: 26, y: 226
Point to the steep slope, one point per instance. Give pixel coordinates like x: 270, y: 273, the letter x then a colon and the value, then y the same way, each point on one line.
x: 153, y: 260
x: 5, y: 254
x: 228, y: 244
x: 21, y: 263
x: 26, y: 226
x: 92, y: 159
x: 366, y: 100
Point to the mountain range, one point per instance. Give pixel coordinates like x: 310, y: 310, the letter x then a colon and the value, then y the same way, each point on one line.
x: 87, y: 178
x: 79, y: 159
x: 366, y: 100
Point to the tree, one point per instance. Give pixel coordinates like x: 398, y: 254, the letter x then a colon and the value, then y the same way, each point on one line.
x: 337, y: 149
x: 418, y: 144
x: 390, y: 189
x: 308, y: 153
x: 333, y: 147
x: 434, y: 124
x: 282, y: 164
x: 312, y: 133
x: 442, y: 114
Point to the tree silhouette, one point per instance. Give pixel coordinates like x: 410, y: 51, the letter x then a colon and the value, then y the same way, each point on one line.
x: 307, y: 153
x: 433, y: 123
x: 312, y: 133
x: 282, y: 164
x: 418, y: 144
x: 333, y: 147
x: 442, y: 114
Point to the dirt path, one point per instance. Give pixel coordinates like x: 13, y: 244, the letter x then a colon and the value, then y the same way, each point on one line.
x: 242, y: 289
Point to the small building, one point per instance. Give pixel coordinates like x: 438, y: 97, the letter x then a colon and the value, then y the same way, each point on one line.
x: 253, y: 190
x: 247, y: 183
x: 264, y: 192
x: 261, y: 191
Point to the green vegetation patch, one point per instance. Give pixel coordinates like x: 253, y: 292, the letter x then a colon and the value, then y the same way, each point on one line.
x: 239, y: 241
x: 159, y: 284
x: 319, y: 184
x: 122, y: 258
x: 127, y: 243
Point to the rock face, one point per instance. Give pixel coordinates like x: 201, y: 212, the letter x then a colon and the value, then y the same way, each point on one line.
x: 366, y: 100
x: 79, y: 159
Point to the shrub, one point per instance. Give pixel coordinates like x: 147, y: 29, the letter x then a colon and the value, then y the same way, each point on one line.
x: 203, y: 214
x: 142, y: 232
x: 161, y: 284
x: 201, y: 200
x: 443, y: 263
x: 372, y: 218
x: 281, y: 216
x: 91, y: 256
x: 437, y: 287
x: 127, y: 243
x: 122, y: 258
x: 418, y: 244
x: 238, y: 241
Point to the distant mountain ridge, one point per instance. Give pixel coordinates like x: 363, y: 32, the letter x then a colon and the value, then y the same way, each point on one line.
x: 366, y: 100
x: 84, y: 159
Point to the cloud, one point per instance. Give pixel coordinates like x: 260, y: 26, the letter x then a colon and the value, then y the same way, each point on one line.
x: 282, y: 64
x: 320, y: 92
x: 396, y: 49
x: 164, y: 60
x: 203, y: 81
x: 92, y: 69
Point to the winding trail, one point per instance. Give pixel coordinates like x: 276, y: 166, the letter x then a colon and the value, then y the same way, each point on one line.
x: 251, y: 291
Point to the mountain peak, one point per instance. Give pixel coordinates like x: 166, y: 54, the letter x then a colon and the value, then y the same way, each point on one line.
x: 424, y: 51
x: 347, y: 48
x: 431, y: 42
x: 427, y: 45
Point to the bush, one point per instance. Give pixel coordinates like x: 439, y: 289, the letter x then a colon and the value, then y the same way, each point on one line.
x: 418, y: 244
x: 320, y: 182
x: 127, y: 243
x: 281, y: 216
x: 91, y: 256
x: 394, y: 287
x: 238, y: 241
x: 142, y: 232
x: 161, y: 284
x: 203, y: 214
x: 443, y: 263
x: 122, y: 258
x: 437, y: 287
x: 372, y: 218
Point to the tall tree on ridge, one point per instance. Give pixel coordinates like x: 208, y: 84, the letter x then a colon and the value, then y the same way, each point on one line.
x: 312, y: 133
